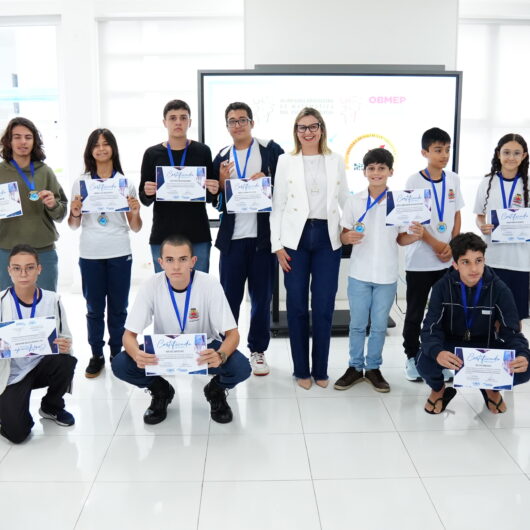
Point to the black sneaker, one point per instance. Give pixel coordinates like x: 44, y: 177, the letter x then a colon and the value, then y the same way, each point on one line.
x: 220, y: 410
x: 95, y: 365
x: 61, y: 417
x: 162, y: 395
x: 350, y: 377
x: 378, y: 381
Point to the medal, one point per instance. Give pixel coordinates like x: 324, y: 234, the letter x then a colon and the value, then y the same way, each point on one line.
x: 103, y: 220
x: 441, y: 227
x: 33, y: 195
x: 358, y: 227
x: 467, y: 335
x: 440, y: 207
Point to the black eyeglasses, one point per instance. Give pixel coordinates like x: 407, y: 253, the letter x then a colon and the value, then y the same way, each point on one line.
x: 314, y: 127
x: 242, y: 122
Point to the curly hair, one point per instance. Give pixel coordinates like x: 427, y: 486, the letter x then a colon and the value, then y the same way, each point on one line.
x: 496, y: 166
x: 6, y: 150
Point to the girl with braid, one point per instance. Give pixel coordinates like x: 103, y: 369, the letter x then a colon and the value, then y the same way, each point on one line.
x: 506, y: 186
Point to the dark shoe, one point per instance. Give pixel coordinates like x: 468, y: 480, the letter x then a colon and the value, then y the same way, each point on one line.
x: 220, y: 410
x: 350, y: 377
x: 448, y: 395
x: 162, y: 395
x: 378, y: 381
x: 95, y: 366
x: 61, y: 417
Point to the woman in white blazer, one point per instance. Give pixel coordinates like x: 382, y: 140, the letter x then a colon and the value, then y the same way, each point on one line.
x: 310, y: 188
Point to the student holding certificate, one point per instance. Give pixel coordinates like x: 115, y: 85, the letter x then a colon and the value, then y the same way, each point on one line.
x: 18, y: 377
x: 469, y: 307
x: 43, y: 201
x: 181, y: 300
x: 244, y: 238
x: 187, y: 218
x: 105, y: 257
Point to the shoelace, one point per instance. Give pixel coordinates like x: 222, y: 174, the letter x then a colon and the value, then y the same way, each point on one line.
x: 258, y: 357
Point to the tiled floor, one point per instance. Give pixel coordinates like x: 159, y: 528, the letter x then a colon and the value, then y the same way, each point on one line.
x: 291, y: 459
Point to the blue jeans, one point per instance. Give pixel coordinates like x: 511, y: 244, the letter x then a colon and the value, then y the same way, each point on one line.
x: 47, y: 278
x: 372, y: 300
x: 106, y: 282
x: 234, y: 371
x: 201, y: 250
x: 313, y: 262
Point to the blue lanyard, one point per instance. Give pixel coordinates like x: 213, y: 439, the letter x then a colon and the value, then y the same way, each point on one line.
x: 182, y: 322
x: 29, y: 183
x: 238, y: 169
x: 182, y: 158
x: 439, y: 208
x: 17, y: 304
x: 370, y: 204
x: 469, y: 318
x: 512, y: 190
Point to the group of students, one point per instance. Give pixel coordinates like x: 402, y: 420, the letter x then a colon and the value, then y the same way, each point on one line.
x: 313, y: 215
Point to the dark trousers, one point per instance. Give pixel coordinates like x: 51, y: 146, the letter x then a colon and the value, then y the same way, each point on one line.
x: 54, y: 372
x: 244, y: 262
x: 234, y: 371
x: 419, y: 284
x: 431, y: 371
x: 106, y: 282
x: 314, y: 264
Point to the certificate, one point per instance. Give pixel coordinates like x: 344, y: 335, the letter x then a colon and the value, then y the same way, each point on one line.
x: 405, y: 206
x: 510, y: 225
x: 104, y: 195
x: 177, y: 354
x: 185, y: 184
x: 484, y: 368
x: 27, y: 337
x: 248, y: 196
x: 9, y: 200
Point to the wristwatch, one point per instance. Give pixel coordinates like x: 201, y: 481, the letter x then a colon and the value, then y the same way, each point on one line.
x: 222, y: 355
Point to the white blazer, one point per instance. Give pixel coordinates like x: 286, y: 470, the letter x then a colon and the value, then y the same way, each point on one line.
x: 290, y: 206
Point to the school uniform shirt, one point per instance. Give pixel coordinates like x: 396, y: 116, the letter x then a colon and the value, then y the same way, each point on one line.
x: 208, y: 312
x: 512, y: 256
x: 419, y: 256
x: 103, y: 242
x: 376, y: 258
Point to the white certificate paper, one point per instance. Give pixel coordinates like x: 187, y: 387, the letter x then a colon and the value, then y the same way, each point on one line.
x: 510, y: 225
x: 484, y: 368
x: 10, y: 205
x: 405, y: 206
x: 248, y: 196
x: 177, y: 354
x: 104, y: 195
x: 27, y: 337
x: 185, y: 184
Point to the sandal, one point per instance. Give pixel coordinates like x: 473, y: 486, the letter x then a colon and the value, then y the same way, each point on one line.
x: 488, y: 401
x: 448, y: 395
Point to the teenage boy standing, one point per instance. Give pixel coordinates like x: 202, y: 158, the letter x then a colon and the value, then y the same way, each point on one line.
x: 244, y: 238
x: 189, y: 219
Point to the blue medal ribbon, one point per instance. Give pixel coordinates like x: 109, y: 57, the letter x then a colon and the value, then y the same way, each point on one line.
x: 17, y: 303
x: 469, y: 317
x: 512, y: 190
x: 29, y: 183
x: 370, y: 204
x: 182, y: 158
x: 238, y: 169
x: 439, y: 207
x: 182, y: 322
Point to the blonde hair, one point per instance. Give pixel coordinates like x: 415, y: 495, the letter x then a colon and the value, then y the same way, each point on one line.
x: 323, y: 148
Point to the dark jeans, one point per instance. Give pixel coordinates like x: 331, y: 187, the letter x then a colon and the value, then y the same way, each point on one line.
x: 314, y: 264
x: 54, y: 372
x: 244, y: 262
x: 419, y: 284
x: 106, y: 282
x: 234, y: 371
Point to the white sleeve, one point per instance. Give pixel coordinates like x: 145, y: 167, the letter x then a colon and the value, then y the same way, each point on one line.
x: 75, y: 189
x: 344, y: 191
x: 480, y: 198
x: 459, y: 198
x: 63, y: 330
x: 141, y: 314
x: 279, y: 200
x: 220, y: 313
x: 347, y: 219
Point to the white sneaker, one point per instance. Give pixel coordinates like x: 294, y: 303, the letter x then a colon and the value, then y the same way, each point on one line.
x: 259, y: 364
x: 411, y: 372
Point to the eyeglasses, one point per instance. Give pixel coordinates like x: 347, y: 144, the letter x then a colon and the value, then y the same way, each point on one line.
x: 28, y: 269
x: 511, y: 154
x: 241, y: 122
x: 314, y: 127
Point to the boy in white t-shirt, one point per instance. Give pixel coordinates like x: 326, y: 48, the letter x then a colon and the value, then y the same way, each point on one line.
x: 428, y: 260
x: 372, y: 281
x: 181, y: 300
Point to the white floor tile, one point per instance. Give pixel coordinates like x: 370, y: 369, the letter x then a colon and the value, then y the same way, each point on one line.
x: 259, y: 506
x: 517, y: 443
x: 516, y: 415
x: 278, y: 384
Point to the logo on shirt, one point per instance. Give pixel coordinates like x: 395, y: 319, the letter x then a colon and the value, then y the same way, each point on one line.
x: 517, y: 200
x: 194, y: 314
x: 451, y: 194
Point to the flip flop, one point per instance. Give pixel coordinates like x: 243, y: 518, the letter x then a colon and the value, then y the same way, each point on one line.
x: 487, y: 401
x: 448, y: 395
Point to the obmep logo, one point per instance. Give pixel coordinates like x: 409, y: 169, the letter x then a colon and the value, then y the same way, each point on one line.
x: 361, y: 145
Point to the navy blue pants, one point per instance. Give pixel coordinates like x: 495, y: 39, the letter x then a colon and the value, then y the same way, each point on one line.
x: 313, y: 264
x: 106, y: 282
x: 244, y: 262
x: 234, y: 371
